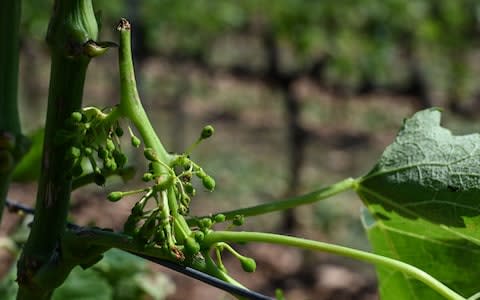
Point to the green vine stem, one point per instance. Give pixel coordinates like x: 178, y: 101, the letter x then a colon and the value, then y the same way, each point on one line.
x: 87, y: 237
x: 132, y: 108
x: 288, y: 203
x: 229, y: 236
x: 72, y: 25
x: 9, y: 121
x: 130, y: 104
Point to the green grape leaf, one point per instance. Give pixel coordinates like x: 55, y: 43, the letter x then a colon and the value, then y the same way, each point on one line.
x: 455, y: 262
x: 428, y: 174
x: 84, y: 285
x: 423, y: 198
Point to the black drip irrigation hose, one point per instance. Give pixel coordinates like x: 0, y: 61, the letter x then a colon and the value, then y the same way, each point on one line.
x: 16, y: 207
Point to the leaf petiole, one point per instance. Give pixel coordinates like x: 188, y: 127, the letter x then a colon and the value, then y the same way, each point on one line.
x: 229, y: 236
x: 288, y: 203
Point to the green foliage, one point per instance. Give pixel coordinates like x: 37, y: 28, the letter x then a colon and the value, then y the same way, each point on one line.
x: 423, y: 197
x: 118, y: 276
x: 422, y: 194
x: 441, y: 255
x: 429, y: 174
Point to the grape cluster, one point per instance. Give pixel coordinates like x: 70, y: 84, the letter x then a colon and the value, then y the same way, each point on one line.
x: 91, y: 136
x: 166, y: 181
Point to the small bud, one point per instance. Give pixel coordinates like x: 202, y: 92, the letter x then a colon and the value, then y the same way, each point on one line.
x: 115, y: 196
x: 219, y: 218
x: 147, y: 177
x: 248, y: 264
x: 135, y: 141
x: 238, y: 220
x: 110, y: 145
x: 150, y: 154
x: 93, y: 49
x: 110, y: 164
x: 206, y: 223
x: 209, y: 183
x: 199, y: 236
x: 76, y: 117
x: 207, y: 132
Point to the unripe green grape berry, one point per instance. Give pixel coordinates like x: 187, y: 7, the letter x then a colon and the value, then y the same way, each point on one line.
x: 115, y: 196
x: 135, y: 141
x: 110, y: 145
x: 110, y: 164
x: 209, y: 183
x: 119, y: 131
x: 207, y: 132
x: 199, y: 236
x: 219, y: 218
x: 150, y: 154
x: 206, y: 223
x: 147, y: 177
x: 76, y: 117
x: 238, y: 220
x: 248, y: 264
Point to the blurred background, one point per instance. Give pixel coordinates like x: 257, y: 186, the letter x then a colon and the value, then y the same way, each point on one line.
x: 301, y: 93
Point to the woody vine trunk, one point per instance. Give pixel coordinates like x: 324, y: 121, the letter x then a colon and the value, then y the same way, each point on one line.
x: 41, y: 268
x: 10, y: 132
